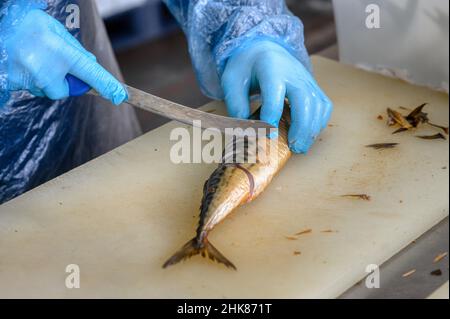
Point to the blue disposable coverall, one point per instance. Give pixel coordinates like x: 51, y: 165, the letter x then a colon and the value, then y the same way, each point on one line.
x: 41, y: 138
x: 233, y: 44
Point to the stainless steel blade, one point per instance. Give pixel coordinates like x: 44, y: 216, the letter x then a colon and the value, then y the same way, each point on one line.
x: 188, y: 115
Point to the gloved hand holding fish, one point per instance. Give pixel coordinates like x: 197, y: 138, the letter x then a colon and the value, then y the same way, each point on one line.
x: 240, y: 48
x: 268, y: 68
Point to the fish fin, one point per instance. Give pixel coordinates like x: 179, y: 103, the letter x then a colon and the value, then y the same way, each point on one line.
x: 216, y: 255
x: 191, y: 249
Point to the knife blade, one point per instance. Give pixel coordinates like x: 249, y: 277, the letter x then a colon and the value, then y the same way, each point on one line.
x: 175, y: 111
x: 189, y: 115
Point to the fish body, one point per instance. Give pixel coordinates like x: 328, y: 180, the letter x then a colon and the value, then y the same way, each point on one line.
x: 232, y: 185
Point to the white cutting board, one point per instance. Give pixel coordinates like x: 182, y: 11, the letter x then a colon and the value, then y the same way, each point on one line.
x: 441, y: 293
x: 122, y: 215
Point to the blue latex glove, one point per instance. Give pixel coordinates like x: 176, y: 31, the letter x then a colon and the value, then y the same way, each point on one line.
x: 276, y: 59
x: 266, y: 67
x: 38, y: 53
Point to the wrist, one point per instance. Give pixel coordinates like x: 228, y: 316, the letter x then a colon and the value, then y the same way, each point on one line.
x: 13, y: 12
x: 254, y: 47
x: 261, y: 45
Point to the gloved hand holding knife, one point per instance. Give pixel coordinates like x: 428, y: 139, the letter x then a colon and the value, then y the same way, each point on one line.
x: 41, y: 52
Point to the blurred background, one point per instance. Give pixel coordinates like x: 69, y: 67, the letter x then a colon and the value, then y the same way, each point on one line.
x: 153, y: 55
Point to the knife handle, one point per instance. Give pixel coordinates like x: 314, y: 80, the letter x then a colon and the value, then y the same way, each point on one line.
x: 76, y: 86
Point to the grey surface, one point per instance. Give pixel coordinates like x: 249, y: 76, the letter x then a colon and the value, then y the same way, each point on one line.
x: 418, y: 255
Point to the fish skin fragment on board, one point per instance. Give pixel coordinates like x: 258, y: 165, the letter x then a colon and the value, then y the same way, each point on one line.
x: 400, y: 130
x: 417, y: 116
x: 409, y: 273
x: 440, y: 257
x: 398, y: 118
x: 438, y: 136
x: 382, y: 146
x: 412, y: 120
x: 304, y: 232
x: 358, y: 196
x: 445, y: 129
x: 436, y: 272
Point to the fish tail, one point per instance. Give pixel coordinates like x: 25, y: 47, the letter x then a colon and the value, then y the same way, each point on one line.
x: 192, y: 248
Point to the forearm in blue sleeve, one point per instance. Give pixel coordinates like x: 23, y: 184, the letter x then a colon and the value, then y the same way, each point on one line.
x: 11, y: 11
x: 216, y: 28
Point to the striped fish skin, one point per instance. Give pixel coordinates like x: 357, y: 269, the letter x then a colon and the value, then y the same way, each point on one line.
x: 232, y: 185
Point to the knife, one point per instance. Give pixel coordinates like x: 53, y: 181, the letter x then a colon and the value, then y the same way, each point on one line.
x: 173, y: 110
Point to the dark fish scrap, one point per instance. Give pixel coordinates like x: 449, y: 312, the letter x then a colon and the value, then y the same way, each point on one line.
x: 382, y: 146
x: 417, y: 116
x: 412, y: 120
x: 438, y: 136
x: 445, y: 129
x: 436, y: 272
